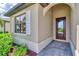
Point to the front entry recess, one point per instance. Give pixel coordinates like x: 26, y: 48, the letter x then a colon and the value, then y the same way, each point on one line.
x: 61, y: 28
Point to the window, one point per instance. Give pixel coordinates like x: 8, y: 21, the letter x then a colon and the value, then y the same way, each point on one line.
x: 20, y: 24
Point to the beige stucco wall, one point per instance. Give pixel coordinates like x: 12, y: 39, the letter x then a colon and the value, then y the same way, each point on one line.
x: 28, y: 40
x: 73, y: 31
x: 44, y: 24
x: 77, y: 26
x: 40, y: 28
x: 33, y: 21
x: 77, y: 38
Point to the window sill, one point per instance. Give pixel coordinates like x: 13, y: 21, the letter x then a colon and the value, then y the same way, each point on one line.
x: 21, y: 34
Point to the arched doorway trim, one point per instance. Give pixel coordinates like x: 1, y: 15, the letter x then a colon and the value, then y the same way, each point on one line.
x: 46, y: 9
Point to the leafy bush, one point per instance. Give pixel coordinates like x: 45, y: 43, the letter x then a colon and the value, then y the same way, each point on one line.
x: 6, y: 41
x: 20, y: 51
x: 1, y: 32
x: 6, y: 32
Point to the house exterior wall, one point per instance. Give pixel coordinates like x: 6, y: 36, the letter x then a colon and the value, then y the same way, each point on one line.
x: 77, y: 30
x: 42, y: 26
x: 28, y: 40
x: 40, y: 35
x: 73, y: 29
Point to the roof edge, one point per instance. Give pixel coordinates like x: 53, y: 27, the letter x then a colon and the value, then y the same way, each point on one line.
x: 17, y: 8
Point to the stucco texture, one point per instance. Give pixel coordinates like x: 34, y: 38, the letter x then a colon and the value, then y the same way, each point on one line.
x: 44, y: 24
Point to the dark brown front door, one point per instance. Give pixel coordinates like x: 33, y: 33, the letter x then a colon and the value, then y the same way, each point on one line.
x: 61, y: 28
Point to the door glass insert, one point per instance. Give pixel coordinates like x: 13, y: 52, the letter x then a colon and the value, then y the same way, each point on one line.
x: 60, y: 28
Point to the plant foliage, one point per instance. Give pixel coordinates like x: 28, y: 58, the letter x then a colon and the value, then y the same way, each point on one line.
x: 20, y: 51
x: 6, y: 41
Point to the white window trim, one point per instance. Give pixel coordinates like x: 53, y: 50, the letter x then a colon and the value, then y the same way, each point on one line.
x: 28, y: 29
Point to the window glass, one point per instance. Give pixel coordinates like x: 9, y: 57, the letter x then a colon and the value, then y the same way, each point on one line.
x: 20, y: 24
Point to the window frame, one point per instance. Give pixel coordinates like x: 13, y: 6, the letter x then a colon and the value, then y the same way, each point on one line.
x: 20, y: 24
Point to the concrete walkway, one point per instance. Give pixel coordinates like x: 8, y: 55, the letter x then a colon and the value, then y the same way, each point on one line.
x: 56, y: 48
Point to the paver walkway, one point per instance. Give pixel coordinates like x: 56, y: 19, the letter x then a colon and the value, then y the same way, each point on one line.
x: 56, y: 48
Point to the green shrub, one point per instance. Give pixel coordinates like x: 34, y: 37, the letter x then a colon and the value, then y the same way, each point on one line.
x: 20, y: 51
x: 1, y: 32
x: 5, y: 43
x: 6, y: 32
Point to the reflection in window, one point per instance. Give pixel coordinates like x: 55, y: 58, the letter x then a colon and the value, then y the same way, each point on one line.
x: 60, y: 27
x: 20, y: 24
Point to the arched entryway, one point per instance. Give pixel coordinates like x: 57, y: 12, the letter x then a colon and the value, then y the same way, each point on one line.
x: 54, y: 14
x: 60, y: 14
x: 61, y: 21
x: 46, y: 9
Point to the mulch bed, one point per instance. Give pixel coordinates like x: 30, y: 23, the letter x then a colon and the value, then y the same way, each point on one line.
x: 31, y: 53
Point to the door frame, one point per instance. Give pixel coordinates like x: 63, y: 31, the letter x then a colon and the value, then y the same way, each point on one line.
x: 64, y: 18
